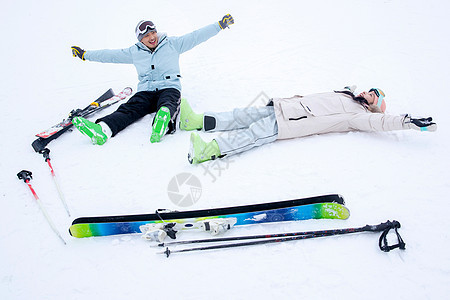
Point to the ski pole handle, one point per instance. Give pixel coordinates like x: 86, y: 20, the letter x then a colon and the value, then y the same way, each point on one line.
x: 382, y: 227
x: 25, y: 175
x: 385, y: 228
x: 46, y: 153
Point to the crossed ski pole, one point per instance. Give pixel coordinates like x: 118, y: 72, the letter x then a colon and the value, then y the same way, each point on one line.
x: 26, y: 176
x: 292, y: 236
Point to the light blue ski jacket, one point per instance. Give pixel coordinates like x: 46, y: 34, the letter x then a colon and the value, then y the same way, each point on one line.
x: 159, y: 69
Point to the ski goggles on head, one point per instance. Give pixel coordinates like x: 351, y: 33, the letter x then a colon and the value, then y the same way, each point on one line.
x: 380, y: 94
x: 143, y: 27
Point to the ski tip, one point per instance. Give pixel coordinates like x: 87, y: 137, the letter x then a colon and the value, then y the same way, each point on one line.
x: 109, y: 93
x: 128, y: 91
x: 333, y: 211
x: 39, y: 144
x: 81, y: 231
x: 347, y: 213
x: 344, y: 212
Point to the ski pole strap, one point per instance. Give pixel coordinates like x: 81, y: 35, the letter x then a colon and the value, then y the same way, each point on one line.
x: 383, y: 243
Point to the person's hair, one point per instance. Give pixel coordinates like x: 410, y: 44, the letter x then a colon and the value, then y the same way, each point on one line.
x: 371, y: 107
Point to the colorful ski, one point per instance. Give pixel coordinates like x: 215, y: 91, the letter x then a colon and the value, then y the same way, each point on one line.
x: 320, y: 207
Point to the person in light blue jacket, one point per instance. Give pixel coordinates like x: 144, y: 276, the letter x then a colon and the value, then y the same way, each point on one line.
x: 156, y: 58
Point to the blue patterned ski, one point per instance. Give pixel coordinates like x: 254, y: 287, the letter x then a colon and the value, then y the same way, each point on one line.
x: 319, y: 207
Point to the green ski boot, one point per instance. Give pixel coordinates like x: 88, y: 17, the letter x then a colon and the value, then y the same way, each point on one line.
x: 91, y: 130
x: 189, y: 120
x: 200, y: 151
x: 160, y: 124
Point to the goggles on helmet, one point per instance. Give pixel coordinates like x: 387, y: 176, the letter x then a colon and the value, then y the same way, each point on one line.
x: 144, y: 27
x: 380, y: 94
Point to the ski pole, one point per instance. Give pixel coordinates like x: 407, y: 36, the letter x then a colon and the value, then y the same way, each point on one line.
x: 46, y: 153
x: 250, y: 237
x: 316, y: 233
x: 26, y: 177
x: 284, y: 237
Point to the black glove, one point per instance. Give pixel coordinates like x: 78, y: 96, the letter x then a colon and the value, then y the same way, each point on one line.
x: 226, y: 21
x: 422, y: 124
x: 77, y: 51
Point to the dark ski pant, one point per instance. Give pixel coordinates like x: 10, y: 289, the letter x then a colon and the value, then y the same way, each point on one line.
x: 142, y: 104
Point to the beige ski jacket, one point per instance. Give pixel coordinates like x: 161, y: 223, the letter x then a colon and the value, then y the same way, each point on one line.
x: 328, y: 112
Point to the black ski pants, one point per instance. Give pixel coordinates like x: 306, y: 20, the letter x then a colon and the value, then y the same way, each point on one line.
x: 142, y: 104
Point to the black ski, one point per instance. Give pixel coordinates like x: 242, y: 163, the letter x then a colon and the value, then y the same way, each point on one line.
x: 332, y: 198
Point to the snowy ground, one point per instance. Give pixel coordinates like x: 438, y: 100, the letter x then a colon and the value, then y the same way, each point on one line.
x: 280, y: 48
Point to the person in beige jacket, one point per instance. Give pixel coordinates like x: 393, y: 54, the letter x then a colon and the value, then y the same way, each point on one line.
x: 286, y: 118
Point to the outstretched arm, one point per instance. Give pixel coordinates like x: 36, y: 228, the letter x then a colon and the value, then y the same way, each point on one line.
x: 383, y: 122
x: 119, y: 56
x: 187, y: 42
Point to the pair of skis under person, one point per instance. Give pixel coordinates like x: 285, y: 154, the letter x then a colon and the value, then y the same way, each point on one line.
x: 156, y: 58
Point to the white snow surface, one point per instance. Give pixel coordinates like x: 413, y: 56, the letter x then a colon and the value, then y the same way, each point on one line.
x: 280, y: 48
